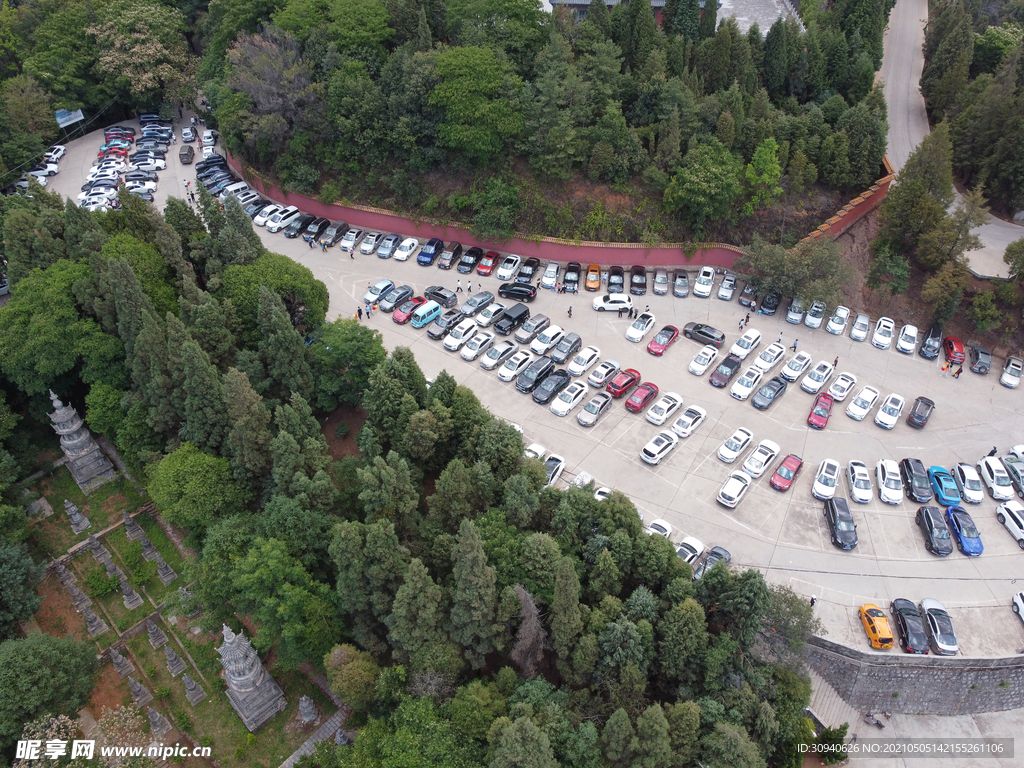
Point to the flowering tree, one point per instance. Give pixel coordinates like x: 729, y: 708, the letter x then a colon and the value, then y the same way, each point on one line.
x: 123, y: 727
x: 52, y: 728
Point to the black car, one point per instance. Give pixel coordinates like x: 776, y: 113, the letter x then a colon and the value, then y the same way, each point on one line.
x: 715, y: 556
x: 450, y: 255
x: 552, y: 384
x: 214, y: 179
x: 981, y: 360
x: 616, y: 279
x: 316, y: 228
x: 443, y: 296
x: 705, y: 334
x: 213, y: 170
x: 140, y: 176
x: 932, y: 344
x: 296, y: 228
x: 444, y: 323
x: 770, y: 305
x: 519, y: 292
x: 769, y: 392
x: 528, y: 380
x: 915, y: 480
x: 396, y: 297
x: 100, y: 184
x: 936, y: 534
x: 840, y: 523
x: 748, y: 296
x: 143, y: 193
x: 571, y: 280
x: 638, y: 280
x: 156, y: 154
x: 469, y: 260
x: 566, y: 348
x: 920, y: 413
x: 726, y: 369
x: 528, y: 271
x: 333, y: 233
x: 210, y: 162
x: 253, y: 209
x: 910, y: 629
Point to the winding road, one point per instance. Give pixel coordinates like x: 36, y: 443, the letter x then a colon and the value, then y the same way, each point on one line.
x: 902, y: 64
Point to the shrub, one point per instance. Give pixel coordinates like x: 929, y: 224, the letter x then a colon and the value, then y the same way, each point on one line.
x: 984, y: 312
x: 341, y: 430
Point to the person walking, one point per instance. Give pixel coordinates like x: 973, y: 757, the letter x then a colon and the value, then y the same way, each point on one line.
x: 570, y: 312
x: 352, y: 254
x: 994, y: 451
x: 779, y: 340
x: 742, y: 321
x: 647, y: 308
x: 794, y: 344
x: 174, y: 138
x: 479, y: 287
x: 746, y: 320
x: 359, y: 312
x: 835, y: 363
x: 957, y: 372
x: 813, y: 600
x: 458, y: 286
x: 323, y: 246
x: 945, y: 369
x: 620, y: 312
x: 310, y: 241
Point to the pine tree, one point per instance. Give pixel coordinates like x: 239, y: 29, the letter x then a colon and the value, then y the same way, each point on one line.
x: 386, y: 563
x: 708, y: 20
x: 239, y: 243
x: 83, y: 236
x: 683, y: 731
x: 213, y: 216
x: 474, y: 596
x: 682, y: 634
x: 653, y: 747
x: 130, y: 301
x: 717, y: 76
x: 670, y: 141
x: 282, y: 351
x: 452, y: 500
x: 177, y: 335
x: 566, y: 619
x: 206, y: 417
x: 776, y: 63
x: 605, y: 577
x: 522, y: 744
x: 416, y: 619
x: 248, y: 440
x: 643, y: 33
x: 210, y: 323
x: 389, y: 492
x: 617, y: 739
x: 668, y: 15
x: 725, y: 129
x: 687, y: 21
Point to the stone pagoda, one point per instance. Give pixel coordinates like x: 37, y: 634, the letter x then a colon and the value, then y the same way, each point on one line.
x: 254, y: 695
x: 86, y: 462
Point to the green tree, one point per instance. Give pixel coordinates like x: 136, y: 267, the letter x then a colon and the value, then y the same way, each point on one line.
x: 249, y: 436
x: 888, y: 269
x: 344, y: 355
x: 389, y: 492
x: 474, y: 707
x: 353, y: 675
x: 148, y: 266
x: 643, y: 34
x: 947, y: 69
x: 617, y: 740
x: 706, y: 186
x: 729, y: 746
x: 193, y: 489
x: 206, y: 417
x: 653, y: 746
x: 522, y: 744
x: 415, y: 625
x: 683, y: 635
x: 39, y: 675
x: 984, y: 312
x: 952, y: 236
x: 474, y: 597
x: 280, y: 366
x: 1014, y: 258
x: 814, y: 269
x: 763, y: 174
x: 708, y: 21
x: 566, y: 619
x: 683, y: 731
x: 18, y: 579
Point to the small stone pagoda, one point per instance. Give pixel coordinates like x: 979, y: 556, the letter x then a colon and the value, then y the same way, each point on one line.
x: 254, y: 695
x: 86, y: 462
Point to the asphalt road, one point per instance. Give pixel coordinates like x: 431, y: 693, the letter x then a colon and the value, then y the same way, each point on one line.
x: 902, y: 65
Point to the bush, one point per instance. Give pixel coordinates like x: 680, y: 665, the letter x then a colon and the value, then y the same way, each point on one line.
x: 99, y: 584
x: 341, y: 430
x: 984, y: 312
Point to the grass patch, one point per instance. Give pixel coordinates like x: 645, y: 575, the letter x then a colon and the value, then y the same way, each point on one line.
x: 91, y: 573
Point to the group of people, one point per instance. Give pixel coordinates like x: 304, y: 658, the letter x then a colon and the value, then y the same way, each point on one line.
x: 632, y: 311
x: 323, y: 245
x: 947, y: 366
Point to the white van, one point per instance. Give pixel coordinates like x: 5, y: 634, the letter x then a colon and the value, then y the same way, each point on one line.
x: 282, y: 219
x: 234, y: 189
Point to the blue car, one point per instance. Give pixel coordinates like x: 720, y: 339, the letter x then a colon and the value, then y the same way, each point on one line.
x: 968, y: 540
x: 946, y: 492
x: 430, y: 251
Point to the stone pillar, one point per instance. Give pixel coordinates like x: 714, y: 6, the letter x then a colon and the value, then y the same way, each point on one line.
x: 122, y: 665
x: 94, y: 624
x: 174, y: 663
x: 164, y: 571
x: 132, y: 599
x: 65, y: 576
x: 78, y: 597
x: 341, y: 738
x: 139, y: 693
x: 131, y: 528
x: 308, y: 712
x: 79, y: 522
x: 157, y: 638
x: 158, y: 725
x: 193, y: 692
x: 148, y: 550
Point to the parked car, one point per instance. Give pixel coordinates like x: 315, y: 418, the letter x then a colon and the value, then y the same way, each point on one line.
x: 770, y: 304
x: 913, y: 638
x: 820, y: 411
x: 826, y: 480
x: 860, y: 328
x: 705, y: 280
x: 915, y: 480
x: 734, y: 445
x: 862, y: 404
x: 761, y: 458
x: 934, y: 530
x: 786, y: 472
x: 612, y: 302
x: 450, y: 256
x: 815, y: 315
x: 447, y: 321
x: 659, y: 446
x: 839, y: 320
x: 404, y: 313
x: 534, y: 374
x: 714, y: 557
x: 470, y: 259
x: 568, y: 346
x: 1011, y: 374
x: 378, y: 291
x: 884, y: 330
x: 637, y: 280
x: 795, y: 366
x: 944, y: 486
x: 406, y: 248
x: 734, y: 489
x: 664, y: 409
x: 660, y: 282
x: 920, y: 413
x: 727, y: 288
x: 906, y: 341
x: 890, y: 410
x: 681, y: 284
x: 725, y: 371
x: 571, y: 279
x: 954, y: 349
x: 515, y: 365
x: 940, y: 628
x: 532, y: 328
x: 703, y: 360
x: 876, y: 626
x: 593, y: 279
x: 370, y: 242
x: 583, y: 361
x: 641, y: 396
x: 842, y: 529
x: 932, y: 344
x: 662, y: 340
x: 842, y: 386
x: 748, y: 297
x: 623, y: 382
x: 552, y: 384
x: 967, y: 480
x: 994, y: 476
x: 692, y: 417
x: 705, y: 334
x: 964, y: 531
x: 769, y: 392
x: 640, y: 327
x: 616, y: 280
x: 488, y: 263
x: 596, y: 407
x: 429, y: 252
x: 859, y: 480
x: 569, y: 398
x: 796, y: 311
x: 746, y: 343
x: 1011, y: 516
x: 517, y: 291
x: 981, y: 360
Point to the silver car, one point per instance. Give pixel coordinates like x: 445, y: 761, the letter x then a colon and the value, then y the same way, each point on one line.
x: 660, y: 282
x: 477, y: 345
x: 815, y: 315
x: 861, y: 327
x: 594, y: 409
x: 498, y: 354
x: 727, y: 288
x: 795, y: 313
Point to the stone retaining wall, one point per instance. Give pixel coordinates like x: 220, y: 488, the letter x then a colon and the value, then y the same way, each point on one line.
x: 931, y: 685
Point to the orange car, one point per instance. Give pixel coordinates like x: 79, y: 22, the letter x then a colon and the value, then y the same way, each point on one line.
x: 876, y: 625
x: 593, y: 278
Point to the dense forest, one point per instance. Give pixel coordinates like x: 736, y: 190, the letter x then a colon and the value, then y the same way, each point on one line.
x: 486, y: 111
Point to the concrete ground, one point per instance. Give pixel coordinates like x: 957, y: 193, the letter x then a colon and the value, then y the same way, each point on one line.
x: 764, y: 12
x: 782, y: 534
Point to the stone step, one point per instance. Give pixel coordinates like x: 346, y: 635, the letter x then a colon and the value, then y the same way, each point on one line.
x: 830, y: 708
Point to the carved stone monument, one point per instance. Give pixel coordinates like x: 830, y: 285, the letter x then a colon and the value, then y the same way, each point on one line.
x: 66, y: 577
x: 122, y: 665
x: 174, y: 663
x: 157, y: 638
x: 158, y: 725
x: 86, y: 462
x: 132, y: 599
x: 99, y: 552
x: 140, y: 695
x: 341, y: 738
x: 148, y: 550
x: 132, y: 529
x: 254, y: 694
x: 193, y: 692
x: 164, y: 571
x: 94, y: 624
x: 78, y: 597
x: 308, y: 712
x: 79, y: 522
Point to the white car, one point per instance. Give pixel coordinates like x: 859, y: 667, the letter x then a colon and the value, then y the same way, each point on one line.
x: 142, y: 186
x: 815, y: 315
x: 208, y: 152
x: 188, y: 134
x: 55, y: 153
x: 795, y: 366
x: 535, y: 451
x: 148, y: 164
x: 1018, y: 451
x: 282, y: 218
x: 550, y: 276
x: 408, y: 247
x: 746, y: 383
x: 22, y: 183
x: 569, y: 398
x: 659, y: 447
x: 837, y: 323
x: 582, y: 480
x: 690, y: 549
x: 1010, y: 377
x: 890, y: 484
x: 817, y: 377
x: 971, y: 489
x: 692, y: 417
x: 601, y: 375
x: 770, y: 357
x: 267, y: 214
x: 761, y: 458
x: 1011, y: 516
x: 860, y: 482
x: 209, y: 138
x: 890, y: 411
x: 734, y: 445
x: 107, y: 174
x: 584, y: 359
x: 110, y: 163
x: 603, y: 493
x: 103, y: 193
x: 509, y: 266
x: 490, y: 313
x: 826, y: 480
x: 547, y: 340
x: 554, y: 464
x: 862, y: 404
x: 842, y: 386
x: 705, y: 280
x: 664, y: 409
x: 348, y: 242
x: 746, y: 343
x: 1017, y: 604
x: 477, y: 345
x: 860, y: 328
x: 45, y: 168
x: 994, y: 475
x: 460, y: 335
x: 703, y: 360
x: 906, y: 342
x: 612, y: 302
x: 515, y: 365
x: 734, y: 488
x: 940, y: 627
x: 884, y: 330
x: 640, y: 327
x: 659, y: 527
x: 94, y: 205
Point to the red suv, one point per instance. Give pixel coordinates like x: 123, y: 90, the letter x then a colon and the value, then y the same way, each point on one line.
x: 623, y: 382
x: 954, y: 349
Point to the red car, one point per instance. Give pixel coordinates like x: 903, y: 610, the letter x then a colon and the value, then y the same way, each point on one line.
x: 664, y: 338
x: 954, y: 350
x: 113, y: 152
x: 403, y: 314
x: 822, y: 409
x: 787, y: 472
x: 623, y: 382
x: 487, y: 263
x: 641, y: 397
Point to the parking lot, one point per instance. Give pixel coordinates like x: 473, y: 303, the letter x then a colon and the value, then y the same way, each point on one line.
x: 783, y: 534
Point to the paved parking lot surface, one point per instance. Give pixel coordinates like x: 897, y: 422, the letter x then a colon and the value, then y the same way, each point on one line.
x: 783, y: 534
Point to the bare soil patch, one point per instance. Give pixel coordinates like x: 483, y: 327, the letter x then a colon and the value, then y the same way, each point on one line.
x: 57, y: 615
x: 342, y: 446
x: 109, y: 692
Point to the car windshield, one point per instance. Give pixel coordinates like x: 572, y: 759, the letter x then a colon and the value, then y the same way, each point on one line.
x: 513, y: 363
x: 580, y: 359
x: 733, y: 444
x: 768, y: 355
x: 919, y: 482
x: 704, y: 280
x: 1002, y: 479
x: 409, y: 306
x: 972, y: 484
x: 892, y: 483
x: 467, y: 260
x: 826, y: 479
x: 795, y: 364
x: 908, y: 336
x: 726, y: 369
x: 567, y: 396
x: 819, y: 410
x: 702, y: 358
x: 549, y: 384
x: 785, y: 473
x: 766, y: 391
x: 862, y: 402
x: 743, y: 342
x: 746, y: 380
x: 494, y: 353
x: 661, y: 279
x: 838, y: 317
x: 639, y: 279
x: 885, y: 331
x: 755, y: 461
x: 890, y: 408
x: 545, y: 338
x: 861, y: 482
x: 658, y: 409
x: 846, y: 524
x: 591, y: 407
x: 817, y: 311
x: 817, y: 375
x: 682, y: 280
x: 1013, y: 371
x: 641, y: 323
x: 662, y: 338
x: 565, y: 344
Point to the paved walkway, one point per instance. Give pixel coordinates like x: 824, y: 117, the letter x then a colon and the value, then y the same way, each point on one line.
x: 323, y: 733
x: 901, y: 70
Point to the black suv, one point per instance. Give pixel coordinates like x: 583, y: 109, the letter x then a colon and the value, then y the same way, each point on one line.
x: 566, y: 348
x: 519, y: 292
x: 296, y: 227
x: 920, y: 413
x: 316, y: 228
x: 534, y: 374
x: 936, y: 534
x: 915, y: 480
x: 571, y: 280
x: 440, y: 327
x: 770, y: 305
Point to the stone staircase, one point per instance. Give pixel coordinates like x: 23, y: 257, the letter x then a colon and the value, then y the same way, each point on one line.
x: 830, y: 708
